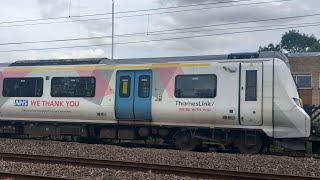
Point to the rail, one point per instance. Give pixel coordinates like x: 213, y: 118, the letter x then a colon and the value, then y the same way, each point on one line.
x: 19, y: 176
x: 148, y: 167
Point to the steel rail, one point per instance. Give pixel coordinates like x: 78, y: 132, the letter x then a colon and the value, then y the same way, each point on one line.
x: 19, y: 176
x: 148, y: 167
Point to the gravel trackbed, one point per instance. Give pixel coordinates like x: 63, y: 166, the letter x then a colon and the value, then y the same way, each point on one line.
x: 256, y: 163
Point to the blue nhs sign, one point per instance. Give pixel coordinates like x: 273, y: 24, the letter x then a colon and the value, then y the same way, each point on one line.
x: 21, y: 102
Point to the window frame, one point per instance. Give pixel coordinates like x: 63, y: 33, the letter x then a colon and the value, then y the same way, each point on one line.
x: 94, y: 91
x: 128, y: 86
x: 295, y: 79
x: 139, y: 86
x: 21, y: 78
x: 247, y: 97
x: 197, y: 75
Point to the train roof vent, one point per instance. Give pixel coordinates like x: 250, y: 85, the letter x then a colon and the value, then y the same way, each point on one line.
x: 56, y: 62
x: 267, y: 54
x: 243, y: 55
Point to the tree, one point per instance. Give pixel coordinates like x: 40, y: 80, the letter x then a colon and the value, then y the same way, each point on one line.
x: 270, y: 47
x: 315, y: 47
x: 293, y: 41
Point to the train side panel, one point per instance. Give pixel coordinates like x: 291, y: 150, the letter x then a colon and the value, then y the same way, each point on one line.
x: 218, y: 110
x: 48, y: 108
x: 222, y: 109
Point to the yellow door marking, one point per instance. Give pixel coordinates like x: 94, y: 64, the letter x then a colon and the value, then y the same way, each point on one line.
x: 124, y: 87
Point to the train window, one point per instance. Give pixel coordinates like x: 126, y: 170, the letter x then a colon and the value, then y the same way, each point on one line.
x: 22, y: 87
x: 124, y: 90
x: 251, y: 85
x: 144, y: 86
x: 303, y: 81
x: 73, y: 86
x: 196, y: 86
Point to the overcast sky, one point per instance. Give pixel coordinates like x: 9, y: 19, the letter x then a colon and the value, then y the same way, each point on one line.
x: 15, y: 10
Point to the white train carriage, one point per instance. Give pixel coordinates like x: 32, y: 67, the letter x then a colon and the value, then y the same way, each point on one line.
x: 237, y: 100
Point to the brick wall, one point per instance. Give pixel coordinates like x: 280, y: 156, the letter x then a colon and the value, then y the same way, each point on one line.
x: 306, y: 96
x: 305, y: 65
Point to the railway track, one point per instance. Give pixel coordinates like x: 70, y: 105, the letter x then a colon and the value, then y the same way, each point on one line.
x: 143, y: 167
x: 19, y: 176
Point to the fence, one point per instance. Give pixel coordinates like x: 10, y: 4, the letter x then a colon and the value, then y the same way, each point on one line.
x: 313, y: 111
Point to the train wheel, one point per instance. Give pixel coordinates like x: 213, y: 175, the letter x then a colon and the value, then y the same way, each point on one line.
x: 249, y: 145
x: 184, y: 141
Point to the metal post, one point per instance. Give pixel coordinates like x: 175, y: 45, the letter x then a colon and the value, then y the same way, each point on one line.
x: 112, y: 30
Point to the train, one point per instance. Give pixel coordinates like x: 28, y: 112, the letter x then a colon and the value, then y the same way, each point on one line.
x: 243, y: 101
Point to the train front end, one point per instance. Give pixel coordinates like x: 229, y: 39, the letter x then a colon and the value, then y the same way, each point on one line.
x: 291, y: 124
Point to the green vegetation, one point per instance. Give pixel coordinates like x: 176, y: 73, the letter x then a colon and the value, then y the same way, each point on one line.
x: 294, y: 42
x: 155, y: 140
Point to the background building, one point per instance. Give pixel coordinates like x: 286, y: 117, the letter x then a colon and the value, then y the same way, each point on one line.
x: 305, y: 68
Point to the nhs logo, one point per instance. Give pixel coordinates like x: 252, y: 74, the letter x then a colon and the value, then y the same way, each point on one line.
x: 21, y: 102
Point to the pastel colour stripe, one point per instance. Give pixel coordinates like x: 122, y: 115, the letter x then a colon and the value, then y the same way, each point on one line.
x: 103, y: 67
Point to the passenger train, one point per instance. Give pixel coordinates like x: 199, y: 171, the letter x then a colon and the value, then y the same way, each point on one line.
x: 243, y: 101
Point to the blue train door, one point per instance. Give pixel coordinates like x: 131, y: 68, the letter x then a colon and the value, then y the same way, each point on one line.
x: 133, y: 95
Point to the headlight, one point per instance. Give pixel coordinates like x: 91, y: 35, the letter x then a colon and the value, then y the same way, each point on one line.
x: 298, y: 102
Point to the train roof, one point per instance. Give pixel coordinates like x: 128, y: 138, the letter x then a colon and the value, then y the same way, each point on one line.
x: 88, y: 61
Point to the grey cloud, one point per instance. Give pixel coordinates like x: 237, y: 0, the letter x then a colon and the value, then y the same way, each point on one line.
x: 61, y: 54
x: 96, y: 29
x: 188, y: 2
x: 53, y: 8
x: 239, y: 13
x: 226, y: 15
x: 196, y: 46
x: 58, y: 8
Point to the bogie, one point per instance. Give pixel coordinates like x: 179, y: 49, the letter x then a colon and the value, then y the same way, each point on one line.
x: 249, y: 144
x: 185, y: 140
